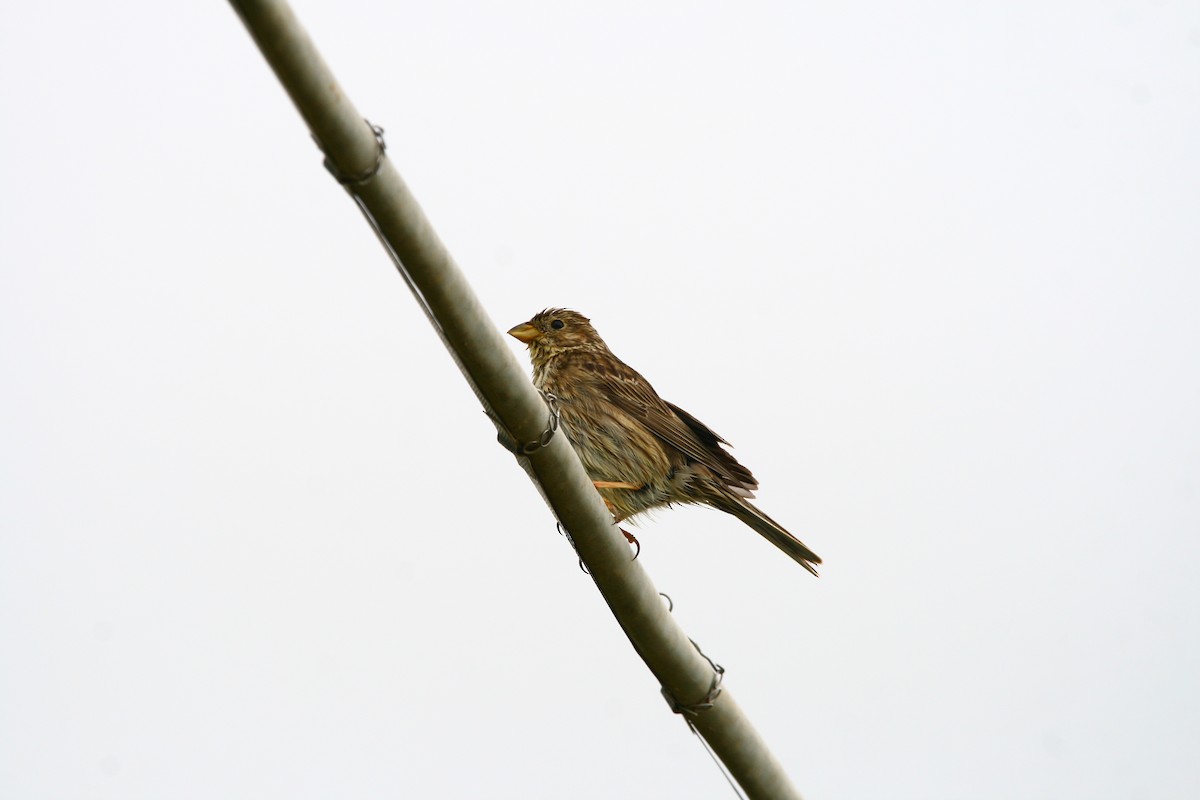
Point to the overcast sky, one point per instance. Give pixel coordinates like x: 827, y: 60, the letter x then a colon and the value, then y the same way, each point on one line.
x: 933, y: 267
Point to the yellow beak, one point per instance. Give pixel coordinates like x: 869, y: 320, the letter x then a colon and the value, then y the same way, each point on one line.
x: 525, y: 332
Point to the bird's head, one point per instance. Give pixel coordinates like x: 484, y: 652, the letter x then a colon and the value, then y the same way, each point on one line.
x: 557, y: 330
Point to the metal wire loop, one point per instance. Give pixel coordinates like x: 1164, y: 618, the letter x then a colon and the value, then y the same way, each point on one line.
x: 529, y: 448
x: 717, y: 668
x: 365, y: 175
x: 563, y: 532
x: 706, y: 702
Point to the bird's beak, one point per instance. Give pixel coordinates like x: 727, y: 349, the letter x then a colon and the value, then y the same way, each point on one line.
x: 525, y: 333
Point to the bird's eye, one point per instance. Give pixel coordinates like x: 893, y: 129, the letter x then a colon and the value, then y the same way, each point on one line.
x: 557, y: 324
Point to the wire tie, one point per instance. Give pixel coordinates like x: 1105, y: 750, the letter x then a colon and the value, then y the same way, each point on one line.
x: 529, y: 448
x: 706, y: 702
x: 367, y: 174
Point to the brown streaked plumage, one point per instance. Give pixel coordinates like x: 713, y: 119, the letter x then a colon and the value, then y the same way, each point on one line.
x: 641, y: 451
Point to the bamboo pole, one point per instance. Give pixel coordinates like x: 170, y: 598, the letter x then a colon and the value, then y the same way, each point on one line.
x: 351, y: 148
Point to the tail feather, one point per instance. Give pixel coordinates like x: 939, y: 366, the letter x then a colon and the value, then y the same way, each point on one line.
x: 773, y: 532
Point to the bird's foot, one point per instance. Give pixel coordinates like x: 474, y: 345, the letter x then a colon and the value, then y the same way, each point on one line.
x: 629, y: 537
x: 617, y: 516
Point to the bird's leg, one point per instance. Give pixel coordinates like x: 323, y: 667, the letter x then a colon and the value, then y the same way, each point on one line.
x: 617, y: 485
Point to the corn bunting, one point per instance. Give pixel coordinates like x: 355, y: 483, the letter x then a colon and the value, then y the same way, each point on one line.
x: 640, y: 451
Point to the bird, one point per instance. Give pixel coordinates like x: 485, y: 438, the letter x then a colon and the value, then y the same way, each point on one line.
x: 640, y: 451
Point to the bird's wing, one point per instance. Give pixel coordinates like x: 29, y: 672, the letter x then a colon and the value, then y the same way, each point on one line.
x: 630, y: 392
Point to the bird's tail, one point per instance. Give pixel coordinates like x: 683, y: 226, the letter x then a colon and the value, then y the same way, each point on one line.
x: 772, y: 531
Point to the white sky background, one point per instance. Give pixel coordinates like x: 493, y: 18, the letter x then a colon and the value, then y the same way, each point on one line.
x: 933, y: 267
